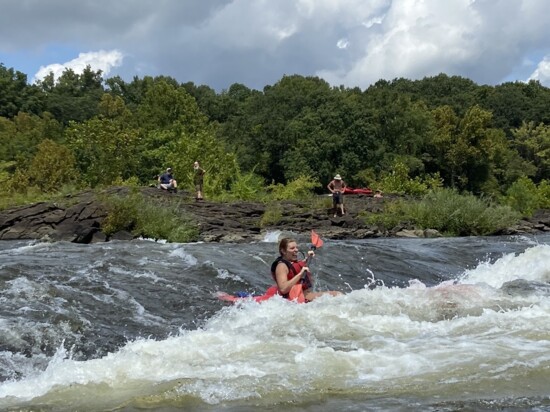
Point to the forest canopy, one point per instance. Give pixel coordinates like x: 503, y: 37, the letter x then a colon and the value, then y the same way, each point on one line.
x: 86, y: 131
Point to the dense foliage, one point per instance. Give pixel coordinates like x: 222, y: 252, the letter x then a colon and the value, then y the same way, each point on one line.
x: 399, y: 136
x: 450, y: 213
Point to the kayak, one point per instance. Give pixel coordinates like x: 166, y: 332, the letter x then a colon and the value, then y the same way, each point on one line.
x: 360, y: 191
x: 295, y: 294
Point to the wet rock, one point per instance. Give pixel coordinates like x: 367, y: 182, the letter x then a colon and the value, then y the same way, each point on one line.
x: 80, y: 218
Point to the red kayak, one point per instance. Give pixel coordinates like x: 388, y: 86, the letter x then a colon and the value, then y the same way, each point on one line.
x: 295, y: 294
x: 361, y: 191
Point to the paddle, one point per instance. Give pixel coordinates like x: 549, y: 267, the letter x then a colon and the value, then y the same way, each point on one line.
x: 316, y: 242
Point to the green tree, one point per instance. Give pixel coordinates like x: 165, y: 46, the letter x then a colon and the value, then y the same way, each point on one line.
x: 468, y: 151
x: 456, y: 92
x: 73, y: 97
x: 533, y: 144
x: 221, y: 165
x: 106, y: 147
x: 517, y: 102
x: 20, y: 136
x: 166, y: 116
x: 52, y: 166
x: 16, y: 95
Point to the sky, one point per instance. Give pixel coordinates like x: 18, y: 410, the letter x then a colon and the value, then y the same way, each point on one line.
x: 353, y: 43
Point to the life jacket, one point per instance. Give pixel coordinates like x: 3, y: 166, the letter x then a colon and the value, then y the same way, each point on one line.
x: 293, y: 270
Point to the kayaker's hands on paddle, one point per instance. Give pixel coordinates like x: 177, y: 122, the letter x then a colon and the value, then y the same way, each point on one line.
x: 310, y: 255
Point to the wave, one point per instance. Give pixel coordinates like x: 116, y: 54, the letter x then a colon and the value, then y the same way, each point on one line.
x: 531, y: 265
x: 469, y: 336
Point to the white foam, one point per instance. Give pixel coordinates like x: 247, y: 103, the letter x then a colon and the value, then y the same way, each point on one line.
x: 442, y: 341
x: 187, y: 258
x: 368, y: 340
x: 224, y: 274
x: 532, y: 265
x: 272, y: 236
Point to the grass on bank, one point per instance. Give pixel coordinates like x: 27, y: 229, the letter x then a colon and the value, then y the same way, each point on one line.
x: 449, y: 212
x: 148, y: 218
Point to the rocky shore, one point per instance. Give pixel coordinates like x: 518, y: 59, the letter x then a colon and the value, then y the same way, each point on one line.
x: 78, y: 218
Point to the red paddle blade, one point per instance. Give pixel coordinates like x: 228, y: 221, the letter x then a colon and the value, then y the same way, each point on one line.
x: 316, y: 239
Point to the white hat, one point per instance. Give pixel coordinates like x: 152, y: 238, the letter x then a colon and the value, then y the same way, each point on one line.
x: 337, y: 177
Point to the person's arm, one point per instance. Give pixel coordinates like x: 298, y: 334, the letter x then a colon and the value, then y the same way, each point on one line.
x: 281, y: 276
x: 330, y: 186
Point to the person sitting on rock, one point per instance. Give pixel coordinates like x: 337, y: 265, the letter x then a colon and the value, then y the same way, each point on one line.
x: 167, y: 181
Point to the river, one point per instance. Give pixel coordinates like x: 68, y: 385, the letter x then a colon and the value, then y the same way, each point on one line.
x: 442, y: 324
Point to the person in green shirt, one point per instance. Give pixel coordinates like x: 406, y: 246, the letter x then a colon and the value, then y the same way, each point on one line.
x: 198, y: 180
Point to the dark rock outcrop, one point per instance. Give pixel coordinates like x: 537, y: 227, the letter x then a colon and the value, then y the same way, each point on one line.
x: 79, y: 218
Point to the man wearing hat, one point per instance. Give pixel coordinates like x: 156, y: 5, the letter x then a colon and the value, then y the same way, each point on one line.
x: 167, y: 181
x: 336, y: 187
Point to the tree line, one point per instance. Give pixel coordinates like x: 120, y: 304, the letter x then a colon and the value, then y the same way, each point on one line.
x: 87, y: 131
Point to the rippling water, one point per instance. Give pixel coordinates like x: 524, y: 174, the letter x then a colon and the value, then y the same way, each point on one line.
x: 427, y: 324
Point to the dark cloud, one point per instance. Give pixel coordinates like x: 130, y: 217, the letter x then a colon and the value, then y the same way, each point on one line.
x: 256, y: 42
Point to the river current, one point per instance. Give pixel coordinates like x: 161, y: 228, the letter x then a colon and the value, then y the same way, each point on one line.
x: 424, y: 324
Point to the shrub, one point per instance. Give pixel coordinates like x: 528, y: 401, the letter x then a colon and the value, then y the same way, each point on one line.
x: 399, y: 182
x: 450, y: 213
x: 52, y: 166
x: 247, y: 186
x: 393, y: 215
x: 455, y: 214
x: 272, y: 215
x: 148, y: 219
x: 543, y: 191
x: 523, y: 196
x: 297, y: 189
x: 130, y: 182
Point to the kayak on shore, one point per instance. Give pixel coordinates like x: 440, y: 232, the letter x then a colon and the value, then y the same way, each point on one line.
x: 359, y: 191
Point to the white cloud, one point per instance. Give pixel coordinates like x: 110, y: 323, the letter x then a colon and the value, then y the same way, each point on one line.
x: 542, y: 72
x: 342, y: 44
x: 418, y: 38
x: 256, y: 42
x: 414, y: 39
x: 373, y: 21
x: 100, y: 60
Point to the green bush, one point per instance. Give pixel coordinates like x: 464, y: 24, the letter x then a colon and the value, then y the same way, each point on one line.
x: 53, y: 166
x: 297, y: 189
x: 393, y: 215
x: 543, y: 191
x: 247, y: 186
x: 523, y: 196
x: 272, y: 215
x: 130, y: 182
x: 450, y: 213
x: 455, y: 214
x: 321, y: 202
x: 398, y: 181
x: 148, y: 219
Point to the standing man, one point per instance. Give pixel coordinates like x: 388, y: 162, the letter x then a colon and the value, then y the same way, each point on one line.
x: 198, y: 179
x: 167, y: 181
x: 336, y: 187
